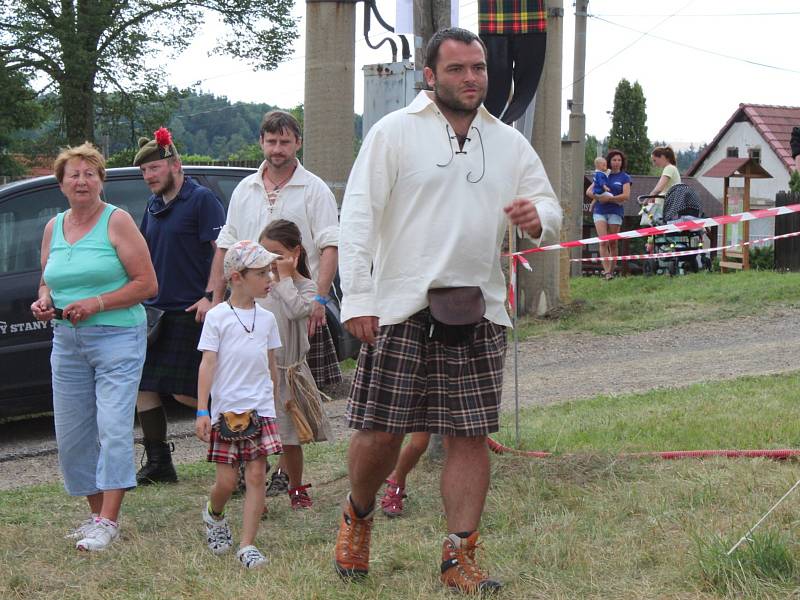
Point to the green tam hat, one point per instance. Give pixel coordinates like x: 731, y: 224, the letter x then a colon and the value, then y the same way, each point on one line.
x: 158, y: 148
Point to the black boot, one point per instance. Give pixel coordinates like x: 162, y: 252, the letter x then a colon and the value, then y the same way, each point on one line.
x: 158, y: 468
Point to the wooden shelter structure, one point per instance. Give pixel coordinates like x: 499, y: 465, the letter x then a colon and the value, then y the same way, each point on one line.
x: 727, y: 168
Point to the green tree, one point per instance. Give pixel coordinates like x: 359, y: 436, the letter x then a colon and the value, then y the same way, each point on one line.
x: 18, y: 110
x: 590, y: 152
x: 794, y: 182
x: 86, y: 46
x: 629, y: 126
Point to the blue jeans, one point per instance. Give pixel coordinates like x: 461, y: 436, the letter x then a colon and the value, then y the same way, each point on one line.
x: 96, y: 372
x: 611, y: 219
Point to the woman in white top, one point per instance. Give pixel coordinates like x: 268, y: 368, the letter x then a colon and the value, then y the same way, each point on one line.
x: 664, y: 158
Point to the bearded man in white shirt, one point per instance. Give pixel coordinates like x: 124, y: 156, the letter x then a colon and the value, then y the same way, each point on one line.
x: 283, y: 189
x: 425, y: 212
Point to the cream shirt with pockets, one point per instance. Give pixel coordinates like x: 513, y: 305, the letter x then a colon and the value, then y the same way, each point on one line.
x: 412, y: 218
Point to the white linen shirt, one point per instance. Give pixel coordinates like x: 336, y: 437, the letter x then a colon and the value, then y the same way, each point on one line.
x: 305, y: 200
x: 413, y: 220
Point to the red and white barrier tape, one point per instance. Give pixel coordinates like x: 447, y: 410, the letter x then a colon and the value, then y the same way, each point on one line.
x: 777, y: 454
x: 672, y: 228
x: 685, y: 252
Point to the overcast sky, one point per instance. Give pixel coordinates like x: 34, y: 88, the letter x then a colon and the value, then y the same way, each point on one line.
x: 695, y: 59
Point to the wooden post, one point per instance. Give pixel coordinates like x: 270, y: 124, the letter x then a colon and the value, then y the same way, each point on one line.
x: 746, y: 224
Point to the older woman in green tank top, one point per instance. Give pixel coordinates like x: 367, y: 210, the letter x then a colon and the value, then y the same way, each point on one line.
x: 96, y: 270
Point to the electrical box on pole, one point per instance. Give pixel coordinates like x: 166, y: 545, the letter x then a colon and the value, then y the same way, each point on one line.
x: 387, y: 87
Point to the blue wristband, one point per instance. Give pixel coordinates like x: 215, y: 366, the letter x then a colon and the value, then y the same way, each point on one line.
x: 322, y: 299
x: 203, y: 413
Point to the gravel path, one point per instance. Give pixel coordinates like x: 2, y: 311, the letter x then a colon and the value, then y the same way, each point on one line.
x: 554, y: 368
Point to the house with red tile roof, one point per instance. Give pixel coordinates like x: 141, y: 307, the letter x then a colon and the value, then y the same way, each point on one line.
x: 756, y: 131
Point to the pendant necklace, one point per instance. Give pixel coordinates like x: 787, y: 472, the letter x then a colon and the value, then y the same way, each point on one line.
x: 272, y: 195
x: 252, y: 327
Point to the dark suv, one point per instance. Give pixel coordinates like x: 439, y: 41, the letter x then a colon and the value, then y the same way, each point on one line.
x: 25, y: 208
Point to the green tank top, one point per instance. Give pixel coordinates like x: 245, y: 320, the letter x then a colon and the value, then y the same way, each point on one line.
x: 87, y: 268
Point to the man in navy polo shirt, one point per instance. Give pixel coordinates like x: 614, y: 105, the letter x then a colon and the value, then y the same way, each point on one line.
x: 181, y: 224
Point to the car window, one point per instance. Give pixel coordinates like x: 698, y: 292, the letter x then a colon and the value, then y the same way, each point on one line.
x: 131, y: 195
x: 226, y: 185
x: 22, y: 222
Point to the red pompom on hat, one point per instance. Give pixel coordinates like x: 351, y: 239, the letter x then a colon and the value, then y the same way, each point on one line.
x: 159, y: 148
x: 163, y: 136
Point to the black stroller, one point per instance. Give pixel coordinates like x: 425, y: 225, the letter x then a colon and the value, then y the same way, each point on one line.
x: 680, y: 204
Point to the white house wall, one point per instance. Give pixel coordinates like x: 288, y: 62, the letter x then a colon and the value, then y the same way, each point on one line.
x: 744, y: 136
x: 762, y: 191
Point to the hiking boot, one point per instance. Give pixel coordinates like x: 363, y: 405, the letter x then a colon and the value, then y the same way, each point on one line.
x: 99, y: 536
x: 218, y: 532
x: 460, y: 570
x: 351, y: 555
x: 392, y: 501
x: 159, y: 467
x: 82, y: 529
x: 278, y: 483
x: 300, y: 498
x: 251, y: 557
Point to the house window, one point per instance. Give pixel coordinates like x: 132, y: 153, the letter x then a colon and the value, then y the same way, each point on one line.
x: 732, y: 152
x: 755, y: 154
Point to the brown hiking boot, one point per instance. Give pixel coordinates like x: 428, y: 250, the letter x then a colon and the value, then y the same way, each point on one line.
x: 460, y: 571
x: 351, y: 555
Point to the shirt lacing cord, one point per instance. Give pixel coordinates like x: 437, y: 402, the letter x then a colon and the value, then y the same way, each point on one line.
x: 453, y: 152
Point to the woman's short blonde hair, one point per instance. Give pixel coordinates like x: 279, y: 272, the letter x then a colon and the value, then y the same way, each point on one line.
x: 86, y: 151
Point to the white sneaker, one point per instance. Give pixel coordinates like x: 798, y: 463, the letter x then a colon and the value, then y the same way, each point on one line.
x: 81, y: 530
x: 99, y: 536
x: 218, y: 533
x: 251, y: 557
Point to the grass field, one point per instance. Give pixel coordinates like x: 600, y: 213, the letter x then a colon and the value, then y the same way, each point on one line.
x: 631, y: 304
x: 583, y: 524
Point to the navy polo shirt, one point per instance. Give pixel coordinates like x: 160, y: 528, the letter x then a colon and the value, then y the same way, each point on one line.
x: 179, y: 236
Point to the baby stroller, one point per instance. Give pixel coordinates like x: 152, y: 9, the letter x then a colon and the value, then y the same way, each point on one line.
x: 680, y: 204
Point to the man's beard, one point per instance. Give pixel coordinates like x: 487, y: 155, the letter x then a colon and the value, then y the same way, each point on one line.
x: 168, y: 184
x: 452, y: 102
x: 281, y: 162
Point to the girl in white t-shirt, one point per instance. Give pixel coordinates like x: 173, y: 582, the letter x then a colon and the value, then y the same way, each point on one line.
x: 290, y: 297
x: 239, y: 370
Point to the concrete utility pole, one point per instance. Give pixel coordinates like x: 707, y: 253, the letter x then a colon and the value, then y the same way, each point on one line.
x: 541, y: 290
x: 429, y: 17
x: 330, y: 89
x: 577, y: 134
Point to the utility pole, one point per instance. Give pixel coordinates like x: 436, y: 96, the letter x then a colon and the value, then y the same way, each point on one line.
x: 429, y: 17
x: 577, y: 133
x: 541, y: 289
x: 329, y: 93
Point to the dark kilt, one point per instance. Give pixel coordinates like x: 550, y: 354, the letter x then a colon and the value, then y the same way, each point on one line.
x: 173, y: 360
x: 322, y: 358
x: 407, y: 382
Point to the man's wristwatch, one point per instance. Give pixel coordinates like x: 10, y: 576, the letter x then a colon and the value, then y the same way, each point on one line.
x: 322, y: 299
x: 209, y: 295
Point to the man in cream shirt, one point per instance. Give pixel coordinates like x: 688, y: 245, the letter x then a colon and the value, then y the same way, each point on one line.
x: 427, y: 206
